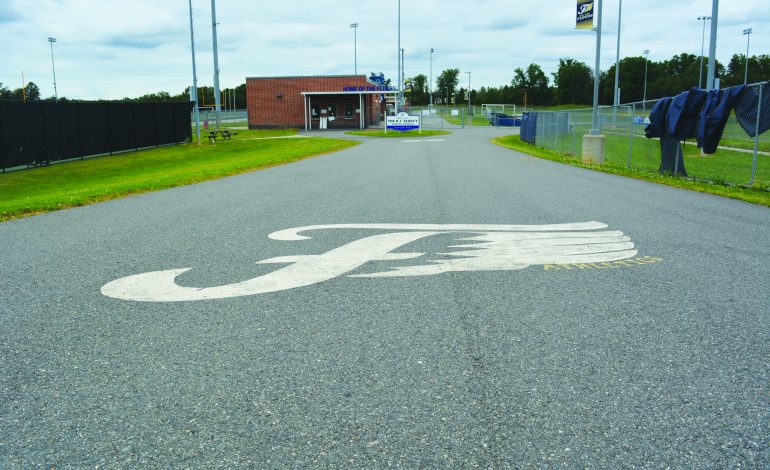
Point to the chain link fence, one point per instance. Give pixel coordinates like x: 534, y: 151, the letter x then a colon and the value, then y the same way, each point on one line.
x: 458, y: 117
x: 742, y: 157
x: 237, y: 118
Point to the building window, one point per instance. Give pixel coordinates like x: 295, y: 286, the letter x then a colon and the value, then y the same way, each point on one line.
x: 349, y: 110
x: 333, y: 110
x: 315, y: 111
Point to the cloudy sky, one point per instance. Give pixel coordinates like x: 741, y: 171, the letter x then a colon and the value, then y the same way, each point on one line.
x: 111, y: 49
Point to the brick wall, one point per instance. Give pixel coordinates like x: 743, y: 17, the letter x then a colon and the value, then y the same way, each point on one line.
x: 277, y: 102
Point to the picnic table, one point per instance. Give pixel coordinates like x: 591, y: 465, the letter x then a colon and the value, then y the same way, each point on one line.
x: 223, y: 134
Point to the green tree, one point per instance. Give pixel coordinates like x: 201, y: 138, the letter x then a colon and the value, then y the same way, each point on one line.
x: 573, y: 82
x: 532, y: 84
x: 5, y: 93
x: 419, y: 94
x: 447, y: 82
x: 759, y: 69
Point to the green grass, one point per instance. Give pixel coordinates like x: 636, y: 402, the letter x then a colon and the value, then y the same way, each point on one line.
x: 473, y: 121
x: 381, y: 133
x: 754, y: 195
x: 726, y: 166
x: 559, y: 107
x: 82, y: 182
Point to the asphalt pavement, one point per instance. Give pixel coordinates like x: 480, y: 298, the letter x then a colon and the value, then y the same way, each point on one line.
x: 367, y: 344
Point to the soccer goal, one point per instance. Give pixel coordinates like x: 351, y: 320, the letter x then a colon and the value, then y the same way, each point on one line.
x: 488, y: 109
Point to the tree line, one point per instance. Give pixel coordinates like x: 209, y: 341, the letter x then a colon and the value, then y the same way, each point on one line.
x: 31, y: 92
x: 573, y: 82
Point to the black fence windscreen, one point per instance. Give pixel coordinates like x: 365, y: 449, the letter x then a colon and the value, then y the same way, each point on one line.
x: 41, y: 132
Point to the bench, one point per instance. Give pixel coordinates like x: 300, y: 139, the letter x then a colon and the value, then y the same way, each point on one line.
x: 225, y: 134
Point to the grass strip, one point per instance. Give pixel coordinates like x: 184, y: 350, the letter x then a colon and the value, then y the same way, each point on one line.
x: 473, y: 121
x: 92, y: 180
x: 380, y: 133
x: 753, y: 195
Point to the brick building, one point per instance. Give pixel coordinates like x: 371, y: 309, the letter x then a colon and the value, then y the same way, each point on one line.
x: 314, y: 102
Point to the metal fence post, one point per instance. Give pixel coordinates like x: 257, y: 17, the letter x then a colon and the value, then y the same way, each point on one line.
x: 2, y: 153
x: 631, y: 134
x: 679, y: 151
x: 109, y: 127
x: 756, y: 136
x: 80, y: 131
x: 462, y: 117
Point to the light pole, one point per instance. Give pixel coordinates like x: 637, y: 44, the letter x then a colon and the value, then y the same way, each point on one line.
x: 194, y: 89
x: 217, y: 98
x: 702, y: 43
x: 597, y: 71
x: 355, y: 47
x: 616, y: 99
x: 469, y: 93
x: 747, y: 33
x: 398, y: 57
x: 401, y: 85
x: 430, y: 81
x: 646, y: 52
x: 53, y: 66
x: 712, y: 45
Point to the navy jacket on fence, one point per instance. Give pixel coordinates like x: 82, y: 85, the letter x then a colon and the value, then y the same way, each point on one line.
x: 746, y: 109
x: 658, y: 118
x: 714, y: 116
x: 682, y: 117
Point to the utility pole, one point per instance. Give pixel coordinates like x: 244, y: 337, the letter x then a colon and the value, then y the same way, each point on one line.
x: 702, y: 42
x: 747, y: 33
x: 713, y: 45
x: 217, y: 99
x: 194, y: 89
x: 53, y: 66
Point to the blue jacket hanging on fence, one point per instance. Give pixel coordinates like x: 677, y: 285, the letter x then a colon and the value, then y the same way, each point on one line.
x: 682, y: 117
x: 714, y: 116
x: 658, y: 118
x: 528, y: 127
x: 746, y: 109
x: 671, y: 160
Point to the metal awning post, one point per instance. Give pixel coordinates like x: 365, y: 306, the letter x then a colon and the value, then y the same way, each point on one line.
x: 361, y: 111
x: 304, y: 103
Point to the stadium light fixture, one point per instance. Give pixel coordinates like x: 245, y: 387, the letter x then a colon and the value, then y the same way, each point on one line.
x: 747, y: 33
x: 702, y: 44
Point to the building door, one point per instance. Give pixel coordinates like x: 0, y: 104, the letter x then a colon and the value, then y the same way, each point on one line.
x: 323, y: 123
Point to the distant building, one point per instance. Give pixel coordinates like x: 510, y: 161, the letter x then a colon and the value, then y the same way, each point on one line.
x: 315, y: 102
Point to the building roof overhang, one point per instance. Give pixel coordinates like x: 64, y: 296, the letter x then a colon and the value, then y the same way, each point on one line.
x: 308, y: 93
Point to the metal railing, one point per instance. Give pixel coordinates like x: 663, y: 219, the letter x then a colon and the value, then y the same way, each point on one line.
x: 742, y: 157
